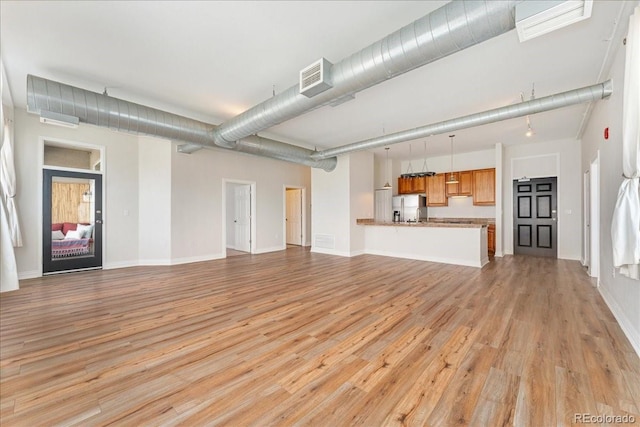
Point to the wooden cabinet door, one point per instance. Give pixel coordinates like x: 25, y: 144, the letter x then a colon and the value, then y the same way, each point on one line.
x: 403, y: 185
x: 436, y: 190
x: 484, y: 187
x: 419, y: 184
x: 491, y: 238
x: 464, y: 186
x: 452, y: 189
x: 465, y: 183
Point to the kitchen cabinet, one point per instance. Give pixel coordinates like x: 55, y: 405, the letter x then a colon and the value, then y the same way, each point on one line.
x: 411, y: 185
x: 404, y: 185
x: 484, y: 187
x: 491, y: 238
x: 464, y: 186
x: 436, y: 190
x: 419, y: 184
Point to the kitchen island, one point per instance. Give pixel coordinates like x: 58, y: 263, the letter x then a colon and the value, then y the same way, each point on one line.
x: 460, y: 242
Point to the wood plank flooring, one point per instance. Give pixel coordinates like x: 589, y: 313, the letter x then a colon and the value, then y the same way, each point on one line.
x: 295, y: 338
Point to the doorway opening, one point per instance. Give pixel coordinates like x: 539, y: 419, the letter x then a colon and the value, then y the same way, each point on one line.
x: 294, y: 218
x: 239, y: 217
x: 535, y: 227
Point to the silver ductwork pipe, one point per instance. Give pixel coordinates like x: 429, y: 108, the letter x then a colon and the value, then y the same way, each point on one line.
x: 447, y: 30
x: 102, y: 110
x: 552, y: 102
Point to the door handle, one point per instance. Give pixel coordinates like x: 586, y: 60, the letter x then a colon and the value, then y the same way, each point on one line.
x: 98, y: 221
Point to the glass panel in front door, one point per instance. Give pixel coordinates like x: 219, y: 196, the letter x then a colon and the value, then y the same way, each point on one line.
x: 72, y: 218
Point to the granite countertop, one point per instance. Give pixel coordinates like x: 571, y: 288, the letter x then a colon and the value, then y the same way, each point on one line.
x: 434, y: 222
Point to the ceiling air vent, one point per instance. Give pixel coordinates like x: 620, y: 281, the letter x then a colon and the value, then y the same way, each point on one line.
x: 535, y: 18
x: 315, y: 78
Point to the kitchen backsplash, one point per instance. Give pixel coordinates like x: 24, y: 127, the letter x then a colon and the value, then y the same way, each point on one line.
x: 462, y: 208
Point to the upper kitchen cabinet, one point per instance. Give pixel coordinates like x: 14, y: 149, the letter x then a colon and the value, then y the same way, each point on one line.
x: 404, y: 185
x: 436, y: 190
x: 484, y: 187
x: 411, y: 185
x: 464, y: 186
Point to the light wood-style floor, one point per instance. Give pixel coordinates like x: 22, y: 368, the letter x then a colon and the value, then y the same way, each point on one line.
x: 295, y: 338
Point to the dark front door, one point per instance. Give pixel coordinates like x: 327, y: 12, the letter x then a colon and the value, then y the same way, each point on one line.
x: 535, y: 227
x: 72, y: 221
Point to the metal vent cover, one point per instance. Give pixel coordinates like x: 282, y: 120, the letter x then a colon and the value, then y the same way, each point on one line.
x: 325, y: 241
x: 314, y: 79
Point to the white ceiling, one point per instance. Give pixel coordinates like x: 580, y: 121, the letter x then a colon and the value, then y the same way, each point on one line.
x: 212, y: 60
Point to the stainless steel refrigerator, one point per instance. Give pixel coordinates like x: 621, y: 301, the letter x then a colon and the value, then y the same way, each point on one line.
x: 409, y: 208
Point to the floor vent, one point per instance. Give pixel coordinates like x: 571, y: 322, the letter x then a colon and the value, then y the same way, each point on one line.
x: 314, y: 79
x: 325, y: 241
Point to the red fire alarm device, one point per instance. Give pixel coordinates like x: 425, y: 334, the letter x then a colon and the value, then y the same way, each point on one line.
x: 606, y: 133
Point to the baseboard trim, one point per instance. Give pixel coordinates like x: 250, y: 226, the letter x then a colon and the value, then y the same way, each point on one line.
x: 329, y: 252
x: 152, y: 262
x: 33, y: 274
x: 627, y: 327
x: 121, y: 264
x: 271, y: 249
x: 201, y: 258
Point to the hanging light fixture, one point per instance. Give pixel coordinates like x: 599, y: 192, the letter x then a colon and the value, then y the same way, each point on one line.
x: 452, y: 178
x: 386, y: 166
x: 425, y: 168
x: 529, y: 132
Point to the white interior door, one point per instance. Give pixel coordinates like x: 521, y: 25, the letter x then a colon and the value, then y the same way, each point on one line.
x: 242, y: 221
x: 294, y: 216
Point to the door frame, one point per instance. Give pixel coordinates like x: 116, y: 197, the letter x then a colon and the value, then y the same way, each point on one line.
x: 554, y: 215
x: 303, y: 213
x: 586, y: 218
x: 68, y: 143
x: 594, y: 210
x: 72, y: 263
x: 252, y: 222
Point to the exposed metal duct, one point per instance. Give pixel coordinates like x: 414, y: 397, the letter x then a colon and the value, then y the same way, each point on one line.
x: 552, y: 102
x: 447, y: 30
x: 47, y: 96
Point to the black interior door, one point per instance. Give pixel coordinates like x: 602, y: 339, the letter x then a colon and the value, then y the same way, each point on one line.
x: 72, y: 221
x: 535, y: 224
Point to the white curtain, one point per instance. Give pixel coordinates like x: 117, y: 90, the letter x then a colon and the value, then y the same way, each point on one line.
x: 625, y: 227
x: 8, y: 269
x: 10, y: 235
x: 8, y: 185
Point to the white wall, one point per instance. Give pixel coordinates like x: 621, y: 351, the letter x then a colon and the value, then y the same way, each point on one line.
x: 330, y: 203
x: 338, y: 199
x: 154, y: 183
x: 120, y: 184
x: 541, y: 159
x: 197, y: 188
x: 621, y: 293
x: 231, y: 229
x: 362, y: 197
x: 148, y: 186
x: 461, y: 162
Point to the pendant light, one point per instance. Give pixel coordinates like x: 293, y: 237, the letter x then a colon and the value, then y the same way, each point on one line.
x: 452, y: 178
x: 425, y: 168
x: 529, y: 133
x: 386, y: 166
